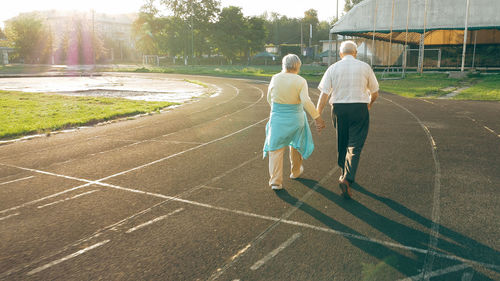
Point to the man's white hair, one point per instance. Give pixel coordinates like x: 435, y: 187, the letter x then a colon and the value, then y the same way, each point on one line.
x: 348, y: 47
x: 291, y: 62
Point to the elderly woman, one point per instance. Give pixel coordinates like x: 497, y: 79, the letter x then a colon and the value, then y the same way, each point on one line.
x: 287, y: 126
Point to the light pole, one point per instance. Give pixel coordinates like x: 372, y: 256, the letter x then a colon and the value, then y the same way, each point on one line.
x: 192, y: 32
x: 93, y: 38
x: 465, y: 34
x: 337, y: 37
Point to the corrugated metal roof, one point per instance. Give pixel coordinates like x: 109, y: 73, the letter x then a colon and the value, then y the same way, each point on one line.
x: 379, y: 15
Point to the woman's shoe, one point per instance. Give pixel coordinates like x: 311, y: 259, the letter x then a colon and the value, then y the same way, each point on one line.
x: 276, y: 187
x: 300, y: 174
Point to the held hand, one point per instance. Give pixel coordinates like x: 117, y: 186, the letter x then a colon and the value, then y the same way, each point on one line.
x: 320, y: 124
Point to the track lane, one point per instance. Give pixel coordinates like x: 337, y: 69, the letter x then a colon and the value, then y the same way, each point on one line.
x: 228, y: 190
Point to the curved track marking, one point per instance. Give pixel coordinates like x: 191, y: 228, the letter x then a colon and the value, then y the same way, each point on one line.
x: 168, y: 198
x: 283, y: 219
x: 116, y: 225
x: 154, y: 138
x: 96, y: 137
x: 435, y: 217
x: 87, y: 182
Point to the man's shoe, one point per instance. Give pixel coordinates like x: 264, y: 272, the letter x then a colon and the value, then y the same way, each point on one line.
x: 276, y: 187
x: 300, y: 174
x: 345, y: 187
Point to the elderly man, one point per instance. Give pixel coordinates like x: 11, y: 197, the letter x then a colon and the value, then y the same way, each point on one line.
x: 351, y: 88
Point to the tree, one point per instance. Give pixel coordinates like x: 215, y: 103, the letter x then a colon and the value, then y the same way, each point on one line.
x: 30, y: 38
x: 282, y: 30
x: 145, y: 29
x: 350, y: 3
x: 174, y: 36
x: 3, y: 39
x: 83, y: 45
x: 230, y: 32
x: 199, y: 16
x: 256, y: 35
x: 311, y: 18
x: 323, y: 30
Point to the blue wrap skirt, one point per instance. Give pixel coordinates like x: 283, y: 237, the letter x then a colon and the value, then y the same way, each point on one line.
x: 288, y: 126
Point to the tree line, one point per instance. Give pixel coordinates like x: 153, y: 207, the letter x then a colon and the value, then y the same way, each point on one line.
x: 200, y: 30
x: 33, y: 41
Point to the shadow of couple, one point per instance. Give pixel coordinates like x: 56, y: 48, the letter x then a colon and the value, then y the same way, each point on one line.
x: 452, y: 245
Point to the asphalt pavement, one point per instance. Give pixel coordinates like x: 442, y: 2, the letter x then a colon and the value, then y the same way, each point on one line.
x: 183, y: 195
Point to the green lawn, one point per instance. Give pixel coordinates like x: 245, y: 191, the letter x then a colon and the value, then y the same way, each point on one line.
x: 487, y: 88
x: 417, y: 86
x: 428, y: 85
x: 432, y: 85
x: 24, y: 69
x: 28, y: 113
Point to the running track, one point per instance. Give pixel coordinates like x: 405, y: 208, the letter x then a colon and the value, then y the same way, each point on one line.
x: 183, y: 195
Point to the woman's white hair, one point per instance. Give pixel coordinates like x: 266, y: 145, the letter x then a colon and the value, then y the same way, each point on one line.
x: 291, y: 62
x: 348, y: 47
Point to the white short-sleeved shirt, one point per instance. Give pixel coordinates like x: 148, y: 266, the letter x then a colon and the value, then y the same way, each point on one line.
x: 289, y: 88
x: 349, y: 81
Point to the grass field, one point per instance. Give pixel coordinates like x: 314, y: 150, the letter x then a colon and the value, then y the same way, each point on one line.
x: 418, y: 86
x: 478, y: 87
x: 488, y: 88
x: 428, y: 85
x: 29, y: 113
x: 25, y: 69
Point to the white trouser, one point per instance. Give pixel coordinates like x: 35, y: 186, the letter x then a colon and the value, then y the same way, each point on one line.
x: 276, y: 165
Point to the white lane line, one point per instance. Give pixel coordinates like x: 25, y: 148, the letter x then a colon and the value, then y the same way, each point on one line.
x: 89, y: 182
x: 177, y: 142
x: 82, y: 251
x: 223, y: 116
x: 135, y: 141
x: 153, y: 221
x: 249, y: 214
x: 47, y: 173
x: 219, y: 90
x: 212, y: 187
x: 241, y: 252
x: 9, y: 216
x: 143, y: 141
x: 486, y: 127
x: 274, y: 252
x: 436, y: 204
x: 94, y: 137
x: 67, y: 199
x: 436, y: 273
x: 491, y: 131
x: 427, y: 101
x: 44, y: 198
x: 116, y: 225
x: 182, y: 152
x: 21, y: 179
x: 428, y: 132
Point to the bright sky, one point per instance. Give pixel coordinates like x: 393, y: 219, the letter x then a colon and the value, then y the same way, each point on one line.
x: 291, y: 8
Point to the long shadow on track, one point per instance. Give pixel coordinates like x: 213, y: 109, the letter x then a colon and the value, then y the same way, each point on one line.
x: 400, y: 233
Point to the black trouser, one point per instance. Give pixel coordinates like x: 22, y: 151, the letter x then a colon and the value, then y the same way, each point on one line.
x: 351, y: 121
